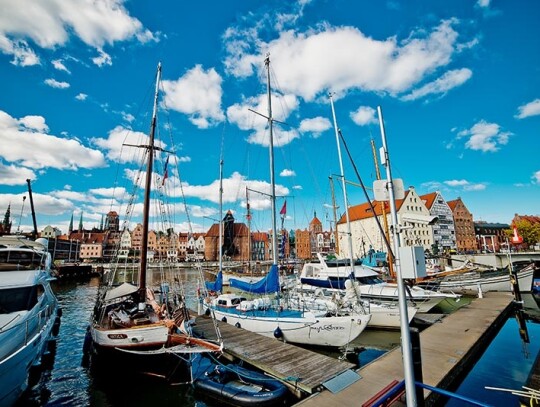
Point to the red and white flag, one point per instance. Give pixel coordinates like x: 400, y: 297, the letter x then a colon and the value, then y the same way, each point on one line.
x: 165, y: 171
x: 283, y: 210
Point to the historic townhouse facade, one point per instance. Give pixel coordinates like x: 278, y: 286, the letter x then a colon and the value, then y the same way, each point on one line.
x: 413, y: 217
x: 444, y: 235
x: 464, y: 226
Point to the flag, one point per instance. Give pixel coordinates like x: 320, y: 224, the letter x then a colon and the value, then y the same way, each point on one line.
x: 283, y: 210
x: 165, y: 171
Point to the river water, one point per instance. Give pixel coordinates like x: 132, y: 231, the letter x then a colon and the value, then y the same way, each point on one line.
x: 505, y: 363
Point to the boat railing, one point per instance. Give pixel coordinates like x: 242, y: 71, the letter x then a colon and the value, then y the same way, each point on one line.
x: 29, y: 327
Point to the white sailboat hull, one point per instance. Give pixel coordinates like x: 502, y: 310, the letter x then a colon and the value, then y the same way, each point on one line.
x: 307, y: 330
x: 384, y: 316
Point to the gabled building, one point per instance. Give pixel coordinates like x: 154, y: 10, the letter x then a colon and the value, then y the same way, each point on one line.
x: 413, y: 216
x: 235, y: 241
x: 50, y: 232
x: 463, y: 226
x: 444, y: 235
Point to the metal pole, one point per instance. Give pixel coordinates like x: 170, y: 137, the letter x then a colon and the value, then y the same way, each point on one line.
x: 406, y: 348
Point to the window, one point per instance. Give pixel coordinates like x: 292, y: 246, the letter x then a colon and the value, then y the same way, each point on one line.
x: 19, y: 299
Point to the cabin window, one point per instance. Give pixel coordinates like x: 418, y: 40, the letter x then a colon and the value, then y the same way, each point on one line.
x: 16, y: 260
x: 18, y: 299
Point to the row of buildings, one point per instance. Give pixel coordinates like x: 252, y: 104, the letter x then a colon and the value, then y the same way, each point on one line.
x: 429, y: 221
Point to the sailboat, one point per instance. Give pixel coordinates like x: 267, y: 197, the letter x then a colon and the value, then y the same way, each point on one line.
x: 271, y: 314
x: 134, y: 326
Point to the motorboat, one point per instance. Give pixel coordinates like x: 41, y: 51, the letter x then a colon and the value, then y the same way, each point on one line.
x: 29, y: 313
x: 332, y: 274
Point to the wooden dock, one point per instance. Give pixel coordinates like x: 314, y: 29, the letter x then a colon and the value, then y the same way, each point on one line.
x: 299, y: 368
x: 448, y: 348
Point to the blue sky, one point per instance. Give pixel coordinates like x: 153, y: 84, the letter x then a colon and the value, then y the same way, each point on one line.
x: 457, y: 81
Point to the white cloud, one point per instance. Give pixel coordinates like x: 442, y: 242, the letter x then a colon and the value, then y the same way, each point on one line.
x: 316, y: 126
x: 81, y: 96
x: 108, y: 192
x: 25, y: 141
x: 59, y: 64
x: 484, y: 136
x: 529, y: 109
x: 34, y: 123
x: 456, y: 183
x: 364, y: 115
x: 53, y: 83
x: 128, y: 117
x: 198, y: 94
x: 297, y: 187
x: 233, y: 190
x: 448, y: 81
x: 114, y: 144
x: 242, y: 115
x: 22, y: 54
x: 14, y: 175
x: 46, y: 204
x: 102, y: 59
x: 536, y: 177
x: 483, y: 3
x: 465, y: 185
x: 50, y: 23
x: 287, y: 173
x: 340, y: 59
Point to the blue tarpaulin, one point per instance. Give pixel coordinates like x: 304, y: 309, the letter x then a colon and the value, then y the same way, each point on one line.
x: 216, y: 285
x: 269, y: 284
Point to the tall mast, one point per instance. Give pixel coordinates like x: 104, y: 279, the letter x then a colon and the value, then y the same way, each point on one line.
x: 272, y: 179
x: 221, y: 214
x: 343, y: 184
x: 334, y: 208
x: 383, y: 212
x: 147, y: 188
x: 248, y: 217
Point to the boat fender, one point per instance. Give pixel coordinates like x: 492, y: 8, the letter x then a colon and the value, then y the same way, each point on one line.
x: 224, y: 319
x: 59, y: 311
x: 278, y: 333
x: 238, y: 325
x: 207, y: 312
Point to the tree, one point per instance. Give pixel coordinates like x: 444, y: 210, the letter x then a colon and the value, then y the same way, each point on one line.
x: 528, y: 231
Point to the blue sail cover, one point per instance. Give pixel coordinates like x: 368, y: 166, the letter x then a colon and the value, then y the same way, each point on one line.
x: 216, y: 285
x: 269, y: 284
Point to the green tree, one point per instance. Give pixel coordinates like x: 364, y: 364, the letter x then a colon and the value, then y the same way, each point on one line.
x: 529, y: 232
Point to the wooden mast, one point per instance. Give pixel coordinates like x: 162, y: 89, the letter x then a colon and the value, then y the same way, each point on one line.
x: 147, y: 187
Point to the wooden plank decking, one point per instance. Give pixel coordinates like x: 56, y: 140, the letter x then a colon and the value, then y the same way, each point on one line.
x: 447, y: 348
x: 300, y: 368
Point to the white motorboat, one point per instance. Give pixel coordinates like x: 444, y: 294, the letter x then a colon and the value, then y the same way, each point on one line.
x: 333, y: 274
x: 29, y: 313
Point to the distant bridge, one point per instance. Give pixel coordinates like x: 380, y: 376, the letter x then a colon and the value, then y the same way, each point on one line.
x: 498, y: 260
